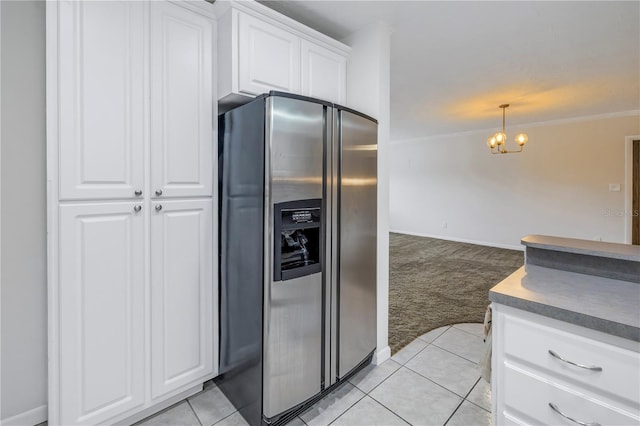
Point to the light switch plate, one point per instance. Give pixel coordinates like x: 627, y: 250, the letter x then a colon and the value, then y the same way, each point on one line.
x: 614, y: 187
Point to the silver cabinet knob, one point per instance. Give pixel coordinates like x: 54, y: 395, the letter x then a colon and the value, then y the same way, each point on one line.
x: 137, y: 208
x: 138, y: 192
x: 158, y: 192
x: 158, y: 207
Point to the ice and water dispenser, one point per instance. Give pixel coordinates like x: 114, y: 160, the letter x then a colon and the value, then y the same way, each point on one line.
x: 298, y: 239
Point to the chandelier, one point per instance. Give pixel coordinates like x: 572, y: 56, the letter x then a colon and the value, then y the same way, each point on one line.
x: 498, y: 141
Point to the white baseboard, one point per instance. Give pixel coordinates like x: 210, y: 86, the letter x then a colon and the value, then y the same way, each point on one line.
x: 381, y: 355
x: 461, y: 240
x: 32, y: 417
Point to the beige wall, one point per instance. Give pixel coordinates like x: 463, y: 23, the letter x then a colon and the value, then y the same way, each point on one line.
x: 559, y: 185
x: 23, y: 292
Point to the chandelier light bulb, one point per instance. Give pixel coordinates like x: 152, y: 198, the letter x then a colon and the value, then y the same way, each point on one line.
x: 521, y: 139
x: 491, y: 142
x: 500, y: 138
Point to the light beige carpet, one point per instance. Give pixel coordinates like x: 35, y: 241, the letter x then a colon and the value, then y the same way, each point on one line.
x: 434, y: 282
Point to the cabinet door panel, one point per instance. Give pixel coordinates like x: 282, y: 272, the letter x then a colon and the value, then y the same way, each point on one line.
x: 269, y: 57
x: 324, y: 73
x: 101, y: 97
x: 182, y: 115
x: 181, y: 293
x: 101, y: 290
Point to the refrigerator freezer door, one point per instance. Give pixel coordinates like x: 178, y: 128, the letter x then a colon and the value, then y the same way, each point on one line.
x: 295, y: 145
x: 357, y: 229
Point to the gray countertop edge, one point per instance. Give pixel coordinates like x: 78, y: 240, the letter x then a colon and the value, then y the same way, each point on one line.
x: 591, y: 248
x: 610, y: 327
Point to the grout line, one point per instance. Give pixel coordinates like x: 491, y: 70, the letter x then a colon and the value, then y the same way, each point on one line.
x: 482, y: 408
x: 463, y: 400
x: 331, y: 393
x: 224, y: 418
x: 471, y: 390
x: 194, y: 412
x: 398, y: 415
x: 453, y: 353
x: 468, y: 332
x: 383, y: 380
x: 443, y: 331
x: 433, y: 381
x: 416, y: 354
x: 454, y: 412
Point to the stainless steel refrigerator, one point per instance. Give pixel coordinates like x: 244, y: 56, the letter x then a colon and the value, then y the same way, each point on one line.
x: 297, y: 252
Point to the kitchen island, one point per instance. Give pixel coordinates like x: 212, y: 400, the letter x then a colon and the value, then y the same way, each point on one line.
x: 566, y: 335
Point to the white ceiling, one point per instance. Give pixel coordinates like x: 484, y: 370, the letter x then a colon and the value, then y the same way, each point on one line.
x: 454, y: 62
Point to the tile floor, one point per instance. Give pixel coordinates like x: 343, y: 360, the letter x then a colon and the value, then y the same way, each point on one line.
x: 432, y: 381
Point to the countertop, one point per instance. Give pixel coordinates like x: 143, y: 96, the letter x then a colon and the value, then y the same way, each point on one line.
x: 603, y: 304
x: 586, y: 247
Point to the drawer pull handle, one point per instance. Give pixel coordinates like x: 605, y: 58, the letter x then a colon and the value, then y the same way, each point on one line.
x: 555, y: 408
x: 586, y: 367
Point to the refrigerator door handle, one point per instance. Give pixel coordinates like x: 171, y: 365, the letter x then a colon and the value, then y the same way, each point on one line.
x: 335, y: 246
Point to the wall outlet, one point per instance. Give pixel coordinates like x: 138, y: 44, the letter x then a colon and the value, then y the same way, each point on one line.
x: 614, y: 187
x: 444, y: 225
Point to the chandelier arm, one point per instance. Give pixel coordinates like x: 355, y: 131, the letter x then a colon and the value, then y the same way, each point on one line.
x: 503, y: 114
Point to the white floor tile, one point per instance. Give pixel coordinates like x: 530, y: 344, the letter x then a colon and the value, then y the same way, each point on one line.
x: 415, y: 399
x: 469, y: 414
x: 372, y: 375
x: 368, y: 412
x: 481, y: 395
x: 451, y: 371
x: 461, y: 343
x: 332, y: 406
x: 211, y: 406
x: 235, y: 419
x: 475, y: 328
x: 180, y: 414
x: 409, y: 351
x: 433, y: 334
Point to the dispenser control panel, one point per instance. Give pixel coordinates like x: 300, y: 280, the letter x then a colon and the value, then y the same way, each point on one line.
x: 297, y: 239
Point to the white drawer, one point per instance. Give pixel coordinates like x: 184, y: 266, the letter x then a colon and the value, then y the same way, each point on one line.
x: 530, y: 343
x: 531, y: 404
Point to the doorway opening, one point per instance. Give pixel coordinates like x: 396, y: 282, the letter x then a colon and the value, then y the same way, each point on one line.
x: 632, y: 191
x: 635, y: 192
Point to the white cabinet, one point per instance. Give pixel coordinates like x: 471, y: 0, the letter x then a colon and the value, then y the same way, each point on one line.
x: 539, y: 362
x: 181, y: 293
x: 101, y: 96
x: 268, y: 57
x: 261, y: 50
x: 131, y: 112
x: 102, y: 100
x: 181, y: 76
x: 324, y: 73
x: 101, y: 306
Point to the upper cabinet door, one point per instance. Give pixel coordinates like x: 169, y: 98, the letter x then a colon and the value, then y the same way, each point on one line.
x: 101, y: 311
x: 101, y: 99
x: 268, y: 57
x: 324, y: 73
x: 182, y: 116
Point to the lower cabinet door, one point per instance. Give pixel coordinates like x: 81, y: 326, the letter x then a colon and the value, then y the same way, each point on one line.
x: 181, y: 293
x: 101, y: 311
